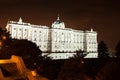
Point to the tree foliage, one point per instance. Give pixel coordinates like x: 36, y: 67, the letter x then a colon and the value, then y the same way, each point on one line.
x: 102, y: 50
x: 74, y: 69
x: 4, y: 37
x: 24, y: 48
x: 27, y: 50
x: 5, y: 40
x: 110, y: 71
x: 80, y: 54
x: 118, y: 49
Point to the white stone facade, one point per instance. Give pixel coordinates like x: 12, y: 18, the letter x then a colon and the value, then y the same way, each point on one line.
x: 55, y: 41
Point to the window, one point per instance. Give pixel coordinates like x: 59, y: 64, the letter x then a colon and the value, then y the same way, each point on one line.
x: 55, y: 46
x: 44, y: 46
x: 14, y: 28
x: 25, y: 29
x: 39, y: 45
x: 60, y: 57
x: 25, y: 37
x: 39, y: 39
x: 35, y: 39
x: 20, y: 38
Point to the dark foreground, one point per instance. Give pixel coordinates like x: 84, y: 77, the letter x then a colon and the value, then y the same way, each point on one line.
x: 81, y: 69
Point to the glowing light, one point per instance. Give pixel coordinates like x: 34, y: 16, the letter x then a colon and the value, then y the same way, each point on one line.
x: 0, y: 43
x: 82, y: 61
x: 5, y: 61
x: 4, y: 37
x: 34, y: 73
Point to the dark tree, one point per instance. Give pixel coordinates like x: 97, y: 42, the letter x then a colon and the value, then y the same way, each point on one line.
x: 4, y: 37
x: 111, y: 71
x: 27, y: 50
x: 49, y: 68
x: 74, y: 69
x: 118, y: 49
x: 5, y: 40
x: 80, y: 54
x: 102, y: 50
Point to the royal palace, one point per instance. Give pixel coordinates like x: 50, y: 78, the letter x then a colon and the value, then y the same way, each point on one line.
x: 56, y: 41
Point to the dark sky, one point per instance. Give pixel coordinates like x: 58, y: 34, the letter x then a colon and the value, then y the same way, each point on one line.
x: 102, y: 15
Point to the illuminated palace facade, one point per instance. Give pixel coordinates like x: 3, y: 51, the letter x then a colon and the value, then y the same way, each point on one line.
x: 56, y: 41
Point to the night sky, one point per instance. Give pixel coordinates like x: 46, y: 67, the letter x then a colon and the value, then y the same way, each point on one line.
x: 101, y: 15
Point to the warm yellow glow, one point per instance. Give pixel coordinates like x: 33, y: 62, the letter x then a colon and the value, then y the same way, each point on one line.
x: 19, y: 66
x: 0, y: 43
x: 2, y: 61
x: 5, y: 61
x: 4, y: 37
x: 34, y: 73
